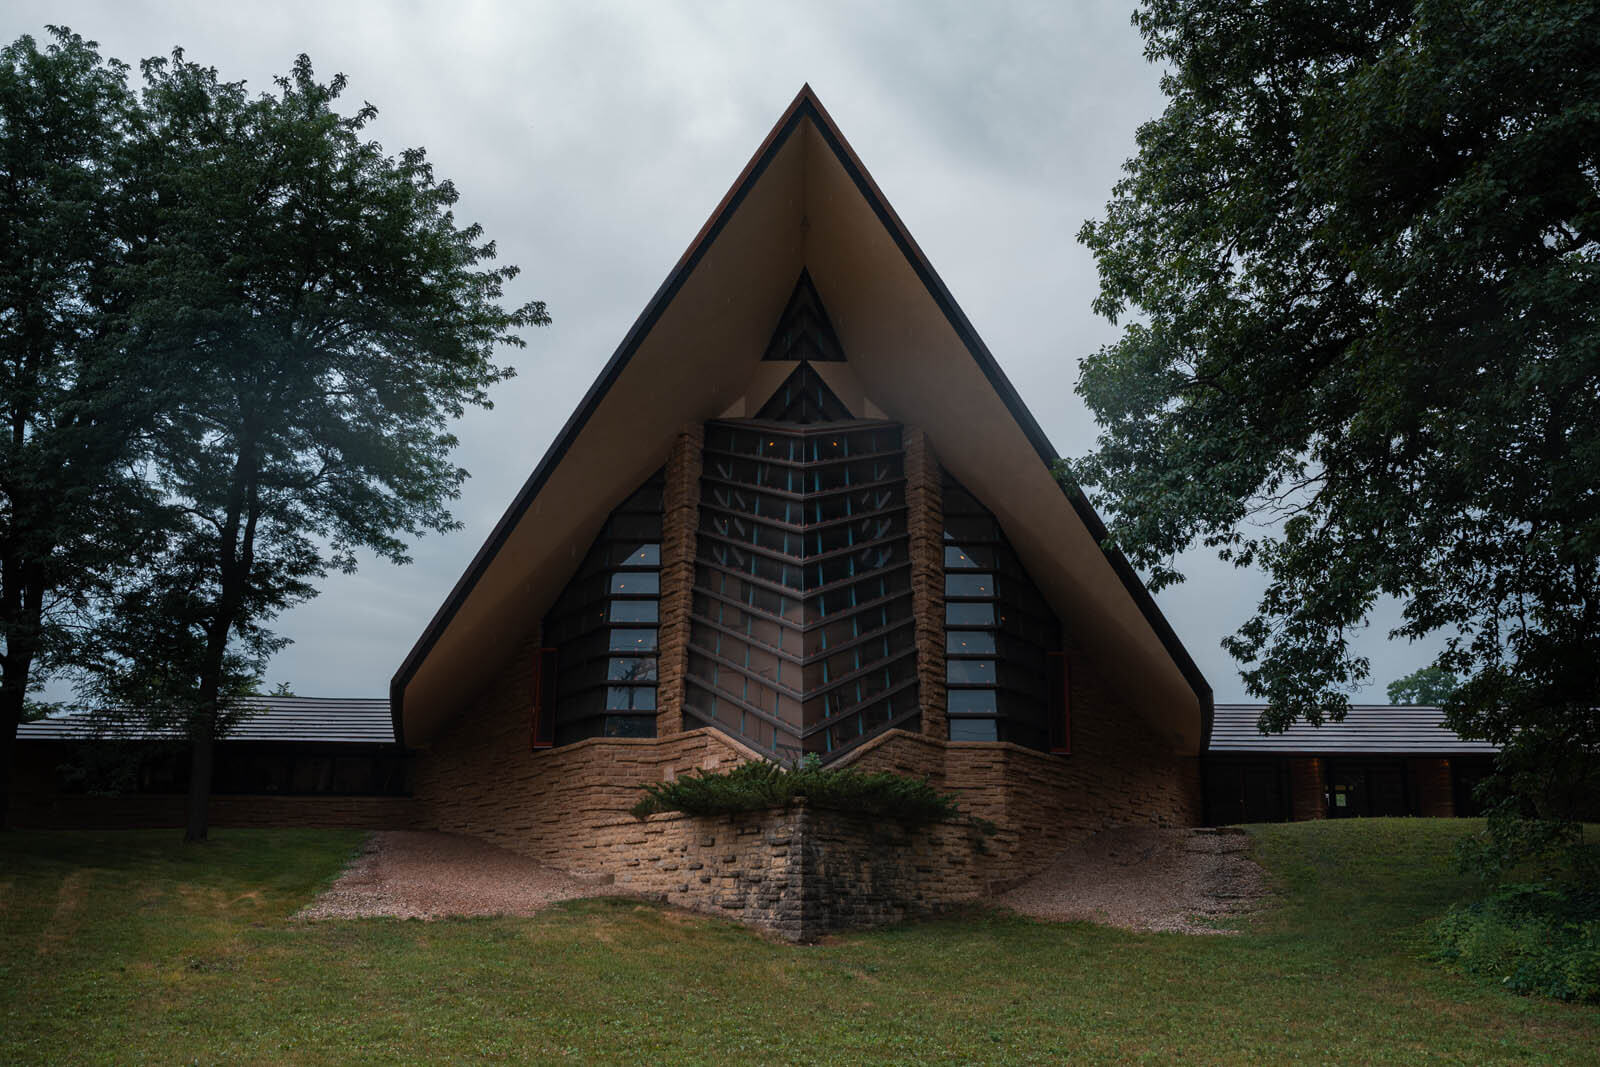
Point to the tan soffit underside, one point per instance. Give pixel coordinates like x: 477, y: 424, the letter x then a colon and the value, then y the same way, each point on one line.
x: 696, y: 354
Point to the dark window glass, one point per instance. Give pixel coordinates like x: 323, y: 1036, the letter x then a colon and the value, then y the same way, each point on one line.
x: 970, y: 671
x: 969, y: 614
x: 973, y: 730
x: 969, y: 585
x: 633, y: 611
x: 802, y: 551
x: 631, y: 698
x: 636, y: 583
x: 972, y: 702
x: 969, y: 642
x: 618, y: 582
x: 636, y: 555
x: 630, y: 669
x: 630, y: 726
x: 633, y: 640
x: 990, y: 588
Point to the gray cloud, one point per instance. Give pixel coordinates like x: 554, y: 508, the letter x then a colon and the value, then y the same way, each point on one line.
x: 593, y: 139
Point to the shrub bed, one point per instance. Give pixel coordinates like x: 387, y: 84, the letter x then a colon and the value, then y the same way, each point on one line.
x: 1541, y: 939
x: 760, y: 785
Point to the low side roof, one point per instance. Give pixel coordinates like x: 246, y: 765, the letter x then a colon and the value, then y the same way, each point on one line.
x: 1386, y: 729
x: 330, y: 720
x: 804, y: 202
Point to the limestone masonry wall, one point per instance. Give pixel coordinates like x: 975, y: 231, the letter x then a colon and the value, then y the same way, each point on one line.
x: 799, y: 872
x: 568, y: 805
x: 680, y: 522
x: 481, y: 777
x: 925, y: 536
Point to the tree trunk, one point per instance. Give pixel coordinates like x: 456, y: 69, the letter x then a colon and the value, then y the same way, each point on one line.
x: 201, y: 750
x: 236, y: 556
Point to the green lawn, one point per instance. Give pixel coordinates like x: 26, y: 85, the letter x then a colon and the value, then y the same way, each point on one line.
x: 129, y: 947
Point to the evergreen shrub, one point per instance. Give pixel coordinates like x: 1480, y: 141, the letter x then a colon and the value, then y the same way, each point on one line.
x: 760, y: 785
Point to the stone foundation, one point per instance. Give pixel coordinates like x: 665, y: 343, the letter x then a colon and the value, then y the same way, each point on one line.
x: 799, y: 873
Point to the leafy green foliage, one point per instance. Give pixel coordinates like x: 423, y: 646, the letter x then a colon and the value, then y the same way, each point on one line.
x: 1534, y: 939
x: 1360, y: 253
x: 71, y: 503
x: 312, y: 318
x: 1427, y: 686
x: 759, y: 785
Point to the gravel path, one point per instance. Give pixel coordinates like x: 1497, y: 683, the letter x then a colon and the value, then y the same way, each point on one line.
x: 412, y: 875
x: 1147, y: 879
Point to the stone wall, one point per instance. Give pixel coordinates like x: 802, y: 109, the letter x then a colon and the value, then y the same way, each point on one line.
x: 925, y: 541
x: 800, y: 872
x: 680, y: 522
x: 1041, y: 804
x: 563, y: 805
x: 481, y: 777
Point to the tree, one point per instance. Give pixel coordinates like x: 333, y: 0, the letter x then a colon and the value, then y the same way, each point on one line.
x: 1361, y: 252
x: 316, y: 318
x: 70, y: 500
x: 1427, y: 686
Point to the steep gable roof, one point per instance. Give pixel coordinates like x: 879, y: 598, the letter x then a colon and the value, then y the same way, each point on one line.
x: 804, y: 207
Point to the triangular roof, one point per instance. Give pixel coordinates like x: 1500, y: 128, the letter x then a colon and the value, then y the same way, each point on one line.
x: 803, y: 206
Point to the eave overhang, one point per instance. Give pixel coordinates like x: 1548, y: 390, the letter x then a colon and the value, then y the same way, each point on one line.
x: 803, y: 202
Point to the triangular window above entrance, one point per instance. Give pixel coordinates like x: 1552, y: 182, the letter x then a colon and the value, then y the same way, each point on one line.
x: 804, y: 332
x: 804, y: 398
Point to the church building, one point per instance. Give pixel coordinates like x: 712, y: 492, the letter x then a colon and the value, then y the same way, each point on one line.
x: 801, y: 512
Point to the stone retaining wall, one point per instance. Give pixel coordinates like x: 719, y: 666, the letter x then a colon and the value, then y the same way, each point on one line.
x: 799, y: 872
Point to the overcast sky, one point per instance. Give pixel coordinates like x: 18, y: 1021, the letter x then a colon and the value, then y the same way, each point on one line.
x: 593, y: 139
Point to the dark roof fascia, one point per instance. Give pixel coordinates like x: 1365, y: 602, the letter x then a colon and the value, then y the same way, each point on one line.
x: 804, y: 106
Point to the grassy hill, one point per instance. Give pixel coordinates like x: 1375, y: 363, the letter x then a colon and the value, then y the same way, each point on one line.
x: 129, y: 947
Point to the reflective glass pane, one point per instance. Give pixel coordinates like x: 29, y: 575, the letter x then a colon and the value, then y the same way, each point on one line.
x: 633, y: 611
x: 637, y: 583
x: 635, y: 555
x: 630, y: 726
x: 972, y: 702
x: 633, y: 640
x: 969, y: 642
x: 630, y: 669
x: 969, y: 585
x: 970, y: 671
x: 631, y: 698
x: 969, y: 614
x: 972, y: 730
